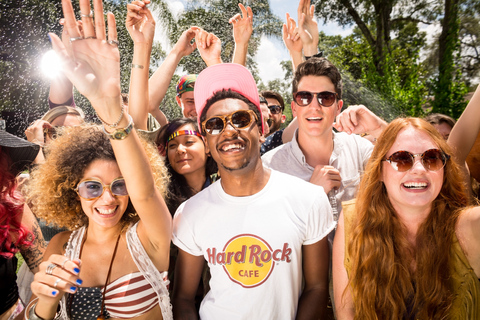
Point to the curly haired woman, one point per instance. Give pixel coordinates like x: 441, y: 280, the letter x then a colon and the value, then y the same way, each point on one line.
x: 107, y: 187
x: 408, y: 248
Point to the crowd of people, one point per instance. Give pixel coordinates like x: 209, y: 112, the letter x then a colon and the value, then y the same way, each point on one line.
x: 222, y: 214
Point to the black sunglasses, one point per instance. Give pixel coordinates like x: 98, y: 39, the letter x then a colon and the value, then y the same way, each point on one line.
x: 238, y: 119
x: 432, y: 160
x: 275, y: 109
x: 324, y: 98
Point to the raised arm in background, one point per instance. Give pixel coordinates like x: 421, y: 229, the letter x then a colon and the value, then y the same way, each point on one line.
x: 242, y: 31
x: 160, y: 80
x: 307, y: 28
x: 141, y: 27
x: 292, y: 41
x: 209, y: 46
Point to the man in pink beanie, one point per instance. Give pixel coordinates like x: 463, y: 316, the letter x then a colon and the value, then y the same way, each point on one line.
x: 260, y: 231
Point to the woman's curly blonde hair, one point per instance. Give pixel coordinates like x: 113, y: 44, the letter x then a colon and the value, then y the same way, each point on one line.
x: 50, y: 190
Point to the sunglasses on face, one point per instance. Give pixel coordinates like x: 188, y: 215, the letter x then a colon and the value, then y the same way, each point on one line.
x: 238, y: 119
x: 324, y: 98
x: 432, y: 160
x: 275, y: 109
x: 91, y: 188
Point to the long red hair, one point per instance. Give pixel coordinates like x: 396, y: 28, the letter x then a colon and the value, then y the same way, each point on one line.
x: 381, y: 279
x: 12, y: 233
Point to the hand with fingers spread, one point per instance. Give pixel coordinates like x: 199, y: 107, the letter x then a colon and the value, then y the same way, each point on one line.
x: 91, y: 62
x: 358, y: 119
x: 242, y: 31
x: 209, y: 46
x: 326, y: 176
x: 307, y: 27
x: 140, y: 22
x: 56, y: 276
x: 292, y: 40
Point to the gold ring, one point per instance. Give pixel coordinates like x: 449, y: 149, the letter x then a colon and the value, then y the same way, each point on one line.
x: 75, y: 39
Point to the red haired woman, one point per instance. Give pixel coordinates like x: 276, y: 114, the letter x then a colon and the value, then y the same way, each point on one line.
x: 408, y: 248
x: 19, y: 230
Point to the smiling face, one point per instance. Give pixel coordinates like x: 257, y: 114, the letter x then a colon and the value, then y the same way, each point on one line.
x: 107, y: 210
x: 186, y: 153
x: 418, y: 187
x: 277, y: 118
x: 187, y: 102
x: 314, y: 119
x: 234, y: 150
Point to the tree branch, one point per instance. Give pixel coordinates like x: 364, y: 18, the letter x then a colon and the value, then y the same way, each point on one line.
x: 360, y: 23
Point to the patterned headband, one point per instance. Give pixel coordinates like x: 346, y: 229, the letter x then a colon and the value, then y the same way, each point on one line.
x: 182, y: 133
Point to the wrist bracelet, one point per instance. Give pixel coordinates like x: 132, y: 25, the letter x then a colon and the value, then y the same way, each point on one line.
x: 318, y: 55
x: 115, y: 124
x: 139, y: 66
x: 33, y: 316
x: 120, y: 134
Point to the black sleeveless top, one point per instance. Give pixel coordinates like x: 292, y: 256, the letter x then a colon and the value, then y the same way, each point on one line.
x: 8, y: 283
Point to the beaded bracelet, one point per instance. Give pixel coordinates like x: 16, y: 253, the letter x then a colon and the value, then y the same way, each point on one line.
x: 115, y: 124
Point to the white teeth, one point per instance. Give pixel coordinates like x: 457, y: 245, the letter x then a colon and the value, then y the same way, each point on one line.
x: 315, y: 118
x: 415, y: 185
x: 106, y: 211
x: 232, y: 146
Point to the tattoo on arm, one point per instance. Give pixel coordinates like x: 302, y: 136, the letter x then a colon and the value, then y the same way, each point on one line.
x: 33, y: 254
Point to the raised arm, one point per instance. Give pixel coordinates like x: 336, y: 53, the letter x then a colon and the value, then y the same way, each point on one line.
x: 94, y: 69
x: 141, y: 27
x: 307, y: 28
x: 160, y: 80
x: 292, y: 41
x: 209, y: 46
x: 242, y: 31
x: 466, y: 130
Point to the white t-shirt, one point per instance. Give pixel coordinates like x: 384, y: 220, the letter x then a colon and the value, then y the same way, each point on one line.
x: 350, y: 156
x: 253, y: 245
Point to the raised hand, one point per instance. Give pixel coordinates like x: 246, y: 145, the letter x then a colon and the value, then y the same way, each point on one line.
x: 140, y: 22
x: 358, y: 119
x: 292, y: 41
x: 209, y: 46
x: 184, y: 45
x: 242, y: 25
x: 307, y: 27
x: 93, y: 63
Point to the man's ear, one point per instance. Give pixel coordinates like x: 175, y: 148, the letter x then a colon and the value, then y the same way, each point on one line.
x: 179, y: 102
x: 340, y: 106
x: 207, y: 148
x: 261, y: 139
x: 283, y: 118
x: 293, y: 105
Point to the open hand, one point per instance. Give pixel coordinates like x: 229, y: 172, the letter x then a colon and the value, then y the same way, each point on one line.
x: 242, y: 25
x: 140, y: 23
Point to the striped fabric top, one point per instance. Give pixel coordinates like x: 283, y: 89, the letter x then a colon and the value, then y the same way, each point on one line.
x: 130, y: 296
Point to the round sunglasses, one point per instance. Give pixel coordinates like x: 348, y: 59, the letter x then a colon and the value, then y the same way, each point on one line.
x: 92, y: 188
x: 238, y: 119
x: 432, y: 160
x: 324, y: 98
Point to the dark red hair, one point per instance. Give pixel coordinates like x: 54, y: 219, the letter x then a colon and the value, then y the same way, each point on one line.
x: 12, y: 233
